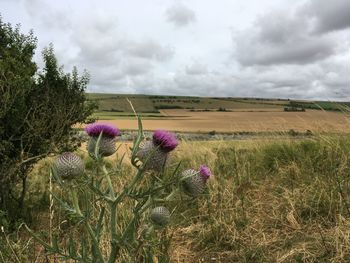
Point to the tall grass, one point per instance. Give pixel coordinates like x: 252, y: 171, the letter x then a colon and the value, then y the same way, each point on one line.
x: 269, y: 201
x: 283, y: 201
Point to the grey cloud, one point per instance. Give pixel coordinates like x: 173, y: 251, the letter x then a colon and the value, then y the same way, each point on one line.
x: 302, y: 51
x: 312, y: 81
x: 329, y: 15
x: 98, y: 40
x: 196, y: 68
x: 281, y: 38
x: 103, y: 83
x: 180, y: 15
x: 135, y: 66
x: 150, y: 49
x: 44, y: 14
x: 112, y: 55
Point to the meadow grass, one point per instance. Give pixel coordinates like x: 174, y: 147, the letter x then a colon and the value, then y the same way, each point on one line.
x: 268, y: 201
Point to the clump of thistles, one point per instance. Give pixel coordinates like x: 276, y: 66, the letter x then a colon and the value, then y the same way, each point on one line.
x: 154, y: 154
x: 160, y: 216
x: 68, y: 166
x: 194, y: 181
x: 108, y: 138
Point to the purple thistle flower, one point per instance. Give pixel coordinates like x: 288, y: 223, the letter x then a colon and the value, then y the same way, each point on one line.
x: 205, y: 172
x: 165, y: 140
x: 107, y: 130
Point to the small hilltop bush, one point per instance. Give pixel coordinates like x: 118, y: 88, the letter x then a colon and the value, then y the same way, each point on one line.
x: 133, y: 214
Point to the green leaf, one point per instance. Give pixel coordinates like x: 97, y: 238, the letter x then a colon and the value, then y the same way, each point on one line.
x: 97, y: 147
x: 72, y: 250
x: 47, y: 246
x: 99, y: 223
x: 83, y: 248
x: 55, y: 243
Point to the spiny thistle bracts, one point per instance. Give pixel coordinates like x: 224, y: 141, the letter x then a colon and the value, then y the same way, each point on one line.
x: 194, y: 182
x: 154, y: 154
x: 69, y: 166
x: 160, y: 216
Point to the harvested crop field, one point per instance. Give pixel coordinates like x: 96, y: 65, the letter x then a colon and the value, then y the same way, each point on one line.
x: 243, y: 121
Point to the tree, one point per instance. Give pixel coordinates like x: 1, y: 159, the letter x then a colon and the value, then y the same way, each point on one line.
x: 37, y: 112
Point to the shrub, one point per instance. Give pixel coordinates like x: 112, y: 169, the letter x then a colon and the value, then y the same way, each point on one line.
x: 37, y: 112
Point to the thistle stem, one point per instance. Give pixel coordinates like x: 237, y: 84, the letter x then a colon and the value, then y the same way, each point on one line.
x: 128, y: 188
x: 109, y: 181
x: 75, y: 201
x: 95, y: 242
x: 171, y: 195
x: 115, y: 248
x: 137, y: 214
x: 149, y: 231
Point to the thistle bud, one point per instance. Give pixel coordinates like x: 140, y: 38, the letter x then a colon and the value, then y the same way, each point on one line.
x: 68, y: 166
x: 154, y: 154
x: 160, y: 216
x: 108, y: 139
x: 194, y: 182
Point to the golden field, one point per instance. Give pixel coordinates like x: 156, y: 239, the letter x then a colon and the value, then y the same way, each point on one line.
x: 250, y: 120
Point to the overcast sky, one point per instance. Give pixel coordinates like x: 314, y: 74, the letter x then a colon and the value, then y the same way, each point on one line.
x: 253, y: 48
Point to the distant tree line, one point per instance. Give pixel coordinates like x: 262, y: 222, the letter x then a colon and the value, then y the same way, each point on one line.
x: 167, y: 106
x: 176, y: 100
x: 320, y: 105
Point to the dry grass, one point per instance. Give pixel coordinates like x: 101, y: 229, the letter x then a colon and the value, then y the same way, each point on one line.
x: 270, y: 201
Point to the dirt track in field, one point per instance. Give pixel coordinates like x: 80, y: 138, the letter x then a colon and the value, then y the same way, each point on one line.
x: 249, y: 121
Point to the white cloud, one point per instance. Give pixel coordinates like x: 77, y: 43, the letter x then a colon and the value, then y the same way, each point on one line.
x: 196, y: 68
